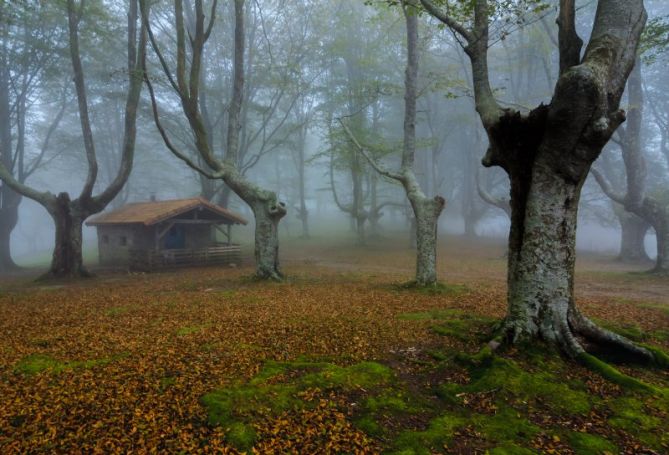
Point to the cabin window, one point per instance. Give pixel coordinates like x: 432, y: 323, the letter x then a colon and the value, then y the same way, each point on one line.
x: 124, y: 240
x: 105, y: 239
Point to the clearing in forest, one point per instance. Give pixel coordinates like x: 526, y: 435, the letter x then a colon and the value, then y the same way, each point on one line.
x: 340, y: 358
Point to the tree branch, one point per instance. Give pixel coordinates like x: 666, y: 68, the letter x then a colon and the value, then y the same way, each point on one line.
x: 363, y: 151
x: 606, y: 187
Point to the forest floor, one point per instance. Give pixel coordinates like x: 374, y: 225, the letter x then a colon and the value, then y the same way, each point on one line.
x: 341, y: 358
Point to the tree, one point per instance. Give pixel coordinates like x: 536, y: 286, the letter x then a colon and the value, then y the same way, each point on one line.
x: 547, y: 154
x: 426, y: 210
x: 632, y: 228
x: 266, y: 207
x: 69, y: 214
x: 652, y: 209
x: 24, y: 62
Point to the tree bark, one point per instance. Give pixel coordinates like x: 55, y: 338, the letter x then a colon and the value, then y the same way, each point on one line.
x: 632, y: 238
x: 427, y: 216
x: 9, y: 216
x: 267, y: 216
x: 541, y: 260
x: 67, y: 260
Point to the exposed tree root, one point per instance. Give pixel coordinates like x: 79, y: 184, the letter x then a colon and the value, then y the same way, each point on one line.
x: 596, y: 338
x: 270, y: 275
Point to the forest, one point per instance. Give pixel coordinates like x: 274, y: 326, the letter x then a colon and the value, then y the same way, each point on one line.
x: 334, y: 226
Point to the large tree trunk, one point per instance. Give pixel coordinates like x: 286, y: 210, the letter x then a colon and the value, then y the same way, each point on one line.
x: 67, y: 260
x: 541, y: 259
x: 427, y: 213
x: 632, y: 238
x: 542, y: 254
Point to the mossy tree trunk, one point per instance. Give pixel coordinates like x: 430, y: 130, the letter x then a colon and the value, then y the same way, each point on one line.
x: 548, y: 154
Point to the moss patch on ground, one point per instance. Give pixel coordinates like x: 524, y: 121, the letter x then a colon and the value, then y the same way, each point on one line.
x: 434, y: 289
x: 454, y: 323
x: 37, y: 363
x: 285, y: 386
x: 646, y: 419
x: 590, y: 444
x: 516, y: 385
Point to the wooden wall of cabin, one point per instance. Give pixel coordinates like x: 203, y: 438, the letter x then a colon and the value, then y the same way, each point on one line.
x: 114, y: 242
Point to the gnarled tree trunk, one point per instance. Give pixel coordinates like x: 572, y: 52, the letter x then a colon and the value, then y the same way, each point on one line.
x: 67, y: 260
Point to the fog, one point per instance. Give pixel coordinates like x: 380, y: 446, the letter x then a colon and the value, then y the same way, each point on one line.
x: 310, y: 65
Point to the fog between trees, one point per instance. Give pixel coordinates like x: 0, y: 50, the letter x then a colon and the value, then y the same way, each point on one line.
x: 323, y: 92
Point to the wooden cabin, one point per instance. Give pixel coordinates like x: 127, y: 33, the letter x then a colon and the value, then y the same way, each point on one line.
x: 157, y: 234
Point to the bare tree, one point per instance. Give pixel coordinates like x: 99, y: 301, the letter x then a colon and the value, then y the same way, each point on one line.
x: 69, y: 214
x: 23, y: 63
x: 185, y: 82
x: 426, y: 210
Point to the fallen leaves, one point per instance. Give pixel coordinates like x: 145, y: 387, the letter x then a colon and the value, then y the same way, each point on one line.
x: 169, y: 339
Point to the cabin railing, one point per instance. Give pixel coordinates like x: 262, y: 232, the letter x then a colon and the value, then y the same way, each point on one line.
x: 147, y: 260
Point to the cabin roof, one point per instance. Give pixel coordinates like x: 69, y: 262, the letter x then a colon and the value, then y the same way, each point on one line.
x: 150, y: 213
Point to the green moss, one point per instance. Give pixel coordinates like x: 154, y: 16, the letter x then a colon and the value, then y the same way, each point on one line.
x: 464, y: 328
x: 241, y: 435
x: 511, y: 383
x: 631, y: 331
x: 590, y: 444
x: 276, y: 389
x: 434, y: 289
x: 505, y: 426
x: 454, y: 323
x: 660, y: 335
x: 633, y: 416
x: 510, y: 449
x: 439, y: 433
x: 167, y: 382
x: 184, y: 331
x: 661, y: 357
x: 117, y: 311
x: 369, y: 425
x: 37, y: 363
x: 442, y: 314
x: 392, y: 402
x: 614, y: 375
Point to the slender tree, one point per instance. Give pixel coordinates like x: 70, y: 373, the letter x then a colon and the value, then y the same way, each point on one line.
x: 69, y: 214
x: 426, y: 210
x: 548, y: 154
